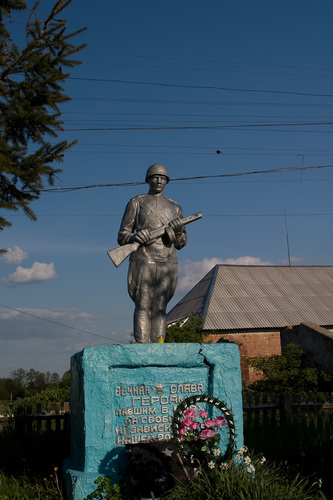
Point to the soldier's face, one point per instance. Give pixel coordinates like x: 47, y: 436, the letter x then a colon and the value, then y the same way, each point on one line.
x: 157, y: 183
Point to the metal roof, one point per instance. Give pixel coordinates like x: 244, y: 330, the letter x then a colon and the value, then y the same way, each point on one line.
x: 247, y: 297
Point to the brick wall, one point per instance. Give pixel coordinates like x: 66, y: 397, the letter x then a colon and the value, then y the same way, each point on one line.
x: 265, y: 343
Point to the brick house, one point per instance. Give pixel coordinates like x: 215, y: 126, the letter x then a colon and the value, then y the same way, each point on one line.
x: 251, y: 305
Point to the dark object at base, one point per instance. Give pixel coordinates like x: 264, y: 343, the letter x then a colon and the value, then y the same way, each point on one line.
x: 155, y: 467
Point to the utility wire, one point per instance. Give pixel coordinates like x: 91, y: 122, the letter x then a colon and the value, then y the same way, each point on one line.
x: 182, y: 115
x: 206, y: 215
x: 188, y: 153
x: 233, y: 63
x: 60, y: 324
x: 204, y: 87
x: 139, y: 183
x: 207, y: 127
x: 207, y: 69
x: 223, y: 148
x: 214, y: 103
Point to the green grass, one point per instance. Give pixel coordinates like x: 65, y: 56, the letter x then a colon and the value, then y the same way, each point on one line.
x: 236, y: 483
x: 26, y: 488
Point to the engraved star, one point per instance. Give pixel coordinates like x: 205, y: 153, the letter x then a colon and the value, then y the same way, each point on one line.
x: 167, y: 452
x: 159, y: 388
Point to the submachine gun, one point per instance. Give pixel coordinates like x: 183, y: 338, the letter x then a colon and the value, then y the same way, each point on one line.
x: 119, y: 254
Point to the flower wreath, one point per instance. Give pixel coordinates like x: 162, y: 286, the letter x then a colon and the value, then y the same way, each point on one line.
x: 177, y: 422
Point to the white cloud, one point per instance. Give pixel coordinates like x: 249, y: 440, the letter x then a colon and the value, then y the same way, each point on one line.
x: 248, y: 261
x: 14, y: 256
x: 8, y: 314
x: 192, y: 272
x: 38, y: 272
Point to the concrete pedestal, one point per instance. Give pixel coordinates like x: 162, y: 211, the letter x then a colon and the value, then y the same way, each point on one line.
x: 126, y: 394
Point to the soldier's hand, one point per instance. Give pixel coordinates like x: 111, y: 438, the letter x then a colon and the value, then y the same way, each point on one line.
x: 142, y: 236
x: 177, y: 226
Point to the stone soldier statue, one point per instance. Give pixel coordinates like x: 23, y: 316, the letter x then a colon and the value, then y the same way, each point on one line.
x: 153, y: 272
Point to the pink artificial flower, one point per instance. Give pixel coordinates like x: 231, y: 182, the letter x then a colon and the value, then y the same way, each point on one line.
x: 210, y: 423
x: 220, y: 421
x: 182, y: 430
x: 195, y: 425
x: 206, y: 434
x: 187, y: 422
x: 203, y: 414
x: 191, y: 413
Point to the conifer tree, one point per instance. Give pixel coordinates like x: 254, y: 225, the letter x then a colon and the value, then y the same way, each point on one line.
x: 31, y: 91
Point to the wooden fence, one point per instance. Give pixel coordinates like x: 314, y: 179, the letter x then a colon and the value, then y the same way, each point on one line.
x: 258, y: 410
x: 263, y: 409
x: 53, y: 417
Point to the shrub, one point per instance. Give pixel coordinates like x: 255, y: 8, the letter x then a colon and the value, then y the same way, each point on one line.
x: 288, y: 372
x: 187, y: 330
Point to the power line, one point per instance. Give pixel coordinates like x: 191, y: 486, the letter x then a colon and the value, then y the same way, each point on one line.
x: 202, y: 87
x: 218, y: 69
x: 182, y: 115
x: 59, y: 324
x: 214, y: 122
x: 206, y: 215
x: 187, y: 153
x: 207, y: 127
x: 271, y: 215
x: 138, y: 183
x: 206, y: 102
x: 233, y: 63
x: 223, y: 148
x: 212, y: 70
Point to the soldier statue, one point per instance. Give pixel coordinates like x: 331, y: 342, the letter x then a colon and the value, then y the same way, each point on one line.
x: 153, y: 270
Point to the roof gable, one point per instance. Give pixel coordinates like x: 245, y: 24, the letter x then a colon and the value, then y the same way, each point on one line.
x: 246, y: 297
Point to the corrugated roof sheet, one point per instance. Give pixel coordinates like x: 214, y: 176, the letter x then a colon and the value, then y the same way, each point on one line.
x: 247, y: 297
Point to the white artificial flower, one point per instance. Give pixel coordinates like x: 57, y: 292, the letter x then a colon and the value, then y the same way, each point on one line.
x: 216, y: 452
x: 250, y: 468
x: 224, y: 466
x: 244, y: 449
x: 211, y: 465
x: 263, y: 460
x: 247, y: 460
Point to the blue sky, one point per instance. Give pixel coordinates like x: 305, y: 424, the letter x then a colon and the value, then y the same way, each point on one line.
x: 173, y: 82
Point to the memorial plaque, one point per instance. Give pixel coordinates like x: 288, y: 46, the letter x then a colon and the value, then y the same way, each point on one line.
x: 126, y: 394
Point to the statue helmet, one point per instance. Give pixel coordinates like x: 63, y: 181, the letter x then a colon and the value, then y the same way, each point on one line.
x: 157, y: 169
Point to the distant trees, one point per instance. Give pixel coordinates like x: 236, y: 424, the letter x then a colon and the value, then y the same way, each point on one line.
x: 288, y: 372
x: 26, y: 383
x: 31, y: 80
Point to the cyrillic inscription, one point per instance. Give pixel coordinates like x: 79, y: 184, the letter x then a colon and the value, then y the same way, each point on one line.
x: 145, y: 412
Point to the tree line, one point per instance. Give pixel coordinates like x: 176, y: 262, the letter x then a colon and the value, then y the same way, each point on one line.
x: 26, y: 383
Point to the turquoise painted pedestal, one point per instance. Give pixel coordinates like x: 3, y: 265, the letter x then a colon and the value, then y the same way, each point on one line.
x: 126, y: 394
